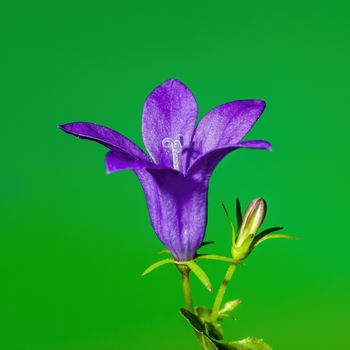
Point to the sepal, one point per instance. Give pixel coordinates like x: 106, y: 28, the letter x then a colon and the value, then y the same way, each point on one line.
x: 199, y: 272
x: 191, y: 264
x: 157, y: 264
x: 272, y: 236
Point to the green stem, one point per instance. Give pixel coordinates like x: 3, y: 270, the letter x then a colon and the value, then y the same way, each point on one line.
x: 185, y: 272
x: 221, y: 292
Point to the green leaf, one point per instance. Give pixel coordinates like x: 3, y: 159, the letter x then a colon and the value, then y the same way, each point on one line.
x: 158, y: 264
x: 231, y: 224
x: 202, y: 276
x: 203, y: 313
x: 203, y: 244
x: 222, y: 316
x: 249, y: 344
x: 193, y: 320
x: 273, y: 236
x: 214, y: 331
x: 164, y: 251
x: 245, y: 344
x: 230, y: 306
x: 197, y: 325
x: 214, y: 257
x: 265, y: 233
x: 239, y: 214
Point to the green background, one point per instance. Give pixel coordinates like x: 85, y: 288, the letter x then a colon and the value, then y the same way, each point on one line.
x: 74, y: 241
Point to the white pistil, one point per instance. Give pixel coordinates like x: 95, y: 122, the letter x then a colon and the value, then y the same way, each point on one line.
x: 176, y: 148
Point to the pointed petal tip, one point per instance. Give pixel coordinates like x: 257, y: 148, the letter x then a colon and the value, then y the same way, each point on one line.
x: 261, y: 104
x: 62, y: 127
x: 173, y: 81
x: 69, y: 128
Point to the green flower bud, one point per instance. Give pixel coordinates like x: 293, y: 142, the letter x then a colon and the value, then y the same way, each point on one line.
x: 247, y: 237
x: 252, y: 220
x: 230, y: 306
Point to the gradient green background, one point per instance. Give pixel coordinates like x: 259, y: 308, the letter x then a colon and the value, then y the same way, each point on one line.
x: 74, y: 241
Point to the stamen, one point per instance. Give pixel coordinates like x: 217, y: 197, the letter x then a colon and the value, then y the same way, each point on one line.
x: 176, y: 148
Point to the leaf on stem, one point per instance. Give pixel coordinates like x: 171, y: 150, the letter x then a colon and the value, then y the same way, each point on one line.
x: 214, y: 257
x: 158, y: 264
x: 202, y: 276
x: 193, y: 320
x: 249, y: 344
x: 245, y: 344
x: 230, y: 306
x: 272, y: 236
x: 239, y: 214
x: 203, y: 244
x: 266, y: 232
x: 164, y: 251
x: 231, y: 224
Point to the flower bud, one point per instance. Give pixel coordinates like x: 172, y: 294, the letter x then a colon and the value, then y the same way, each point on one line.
x: 253, y: 219
x: 230, y: 306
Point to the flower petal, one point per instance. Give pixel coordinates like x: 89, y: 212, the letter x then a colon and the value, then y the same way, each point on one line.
x: 124, y: 154
x: 170, y: 112
x: 178, y: 209
x: 205, y: 165
x: 226, y: 125
x: 120, y: 160
x: 106, y: 136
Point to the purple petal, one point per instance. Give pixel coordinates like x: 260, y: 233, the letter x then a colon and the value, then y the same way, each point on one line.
x: 124, y: 154
x: 178, y: 209
x: 226, y: 125
x: 119, y: 160
x: 258, y: 144
x: 203, y: 166
x: 170, y: 112
x: 106, y: 136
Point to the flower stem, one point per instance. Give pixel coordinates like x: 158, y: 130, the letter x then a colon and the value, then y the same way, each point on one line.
x: 221, y: 292
x: 185, y: 272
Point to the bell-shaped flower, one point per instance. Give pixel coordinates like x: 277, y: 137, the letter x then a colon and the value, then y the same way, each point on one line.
x: 181, y: 158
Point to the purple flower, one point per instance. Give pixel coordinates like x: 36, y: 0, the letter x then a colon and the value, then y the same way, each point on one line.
x: 182, y: 157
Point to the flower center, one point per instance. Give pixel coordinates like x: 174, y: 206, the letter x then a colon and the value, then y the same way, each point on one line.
x: 176, y: 147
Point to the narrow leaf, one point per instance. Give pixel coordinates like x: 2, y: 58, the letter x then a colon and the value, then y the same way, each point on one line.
x: 221, y: 316
x: 245, y: 344
x: 265, y: 233
x: 230, y: 306
x: 203, y: 244
x: 193, y: 320
x: 157, y: 264
x: 273, y: 236
x: 214, y: 331
x: 164, y: 251
x: 202, y: 276
x: 239, y: 214
x: 231, y: 224
x: 214, y: 257
x: 199, y: 328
